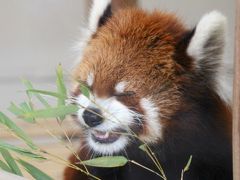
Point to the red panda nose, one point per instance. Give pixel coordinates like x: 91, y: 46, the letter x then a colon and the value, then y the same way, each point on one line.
x: 92, y: 117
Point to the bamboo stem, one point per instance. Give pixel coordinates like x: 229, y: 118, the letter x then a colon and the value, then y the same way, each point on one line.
x: 144, y: 167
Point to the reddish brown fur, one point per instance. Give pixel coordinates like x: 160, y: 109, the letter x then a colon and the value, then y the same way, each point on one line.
x: 140, y: 48
x: 139, y: 52
x: 71, y: 173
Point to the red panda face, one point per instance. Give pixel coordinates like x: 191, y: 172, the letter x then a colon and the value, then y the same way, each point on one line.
x: 134, y: 66
x: 130, y: 70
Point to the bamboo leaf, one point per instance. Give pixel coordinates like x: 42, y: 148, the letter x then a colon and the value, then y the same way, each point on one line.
x: 25, y: 107
x: 10, y: 161
x: 48, y: 93
x: 106, y: 161
x: 16, y: 130
x: 15, y: 110
x: 19, y: 111
x: 21, y: 151
x: 5, y: 167
x: 61, y: 88
x: 29, y: 85
x: 186, y: 168
x: 143, y: 147
x: 52, y: 112
x: 85, y: 90
x: 34, y: 172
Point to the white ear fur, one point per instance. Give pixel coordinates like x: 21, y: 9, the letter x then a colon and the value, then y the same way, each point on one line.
x: 97, y: 11
x: 206, y: 47
x: 224, y: 82
x: 212, y: 25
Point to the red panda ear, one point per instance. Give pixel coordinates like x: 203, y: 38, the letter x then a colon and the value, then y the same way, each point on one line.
x: 201, y: 49
x: 204, y: 47
x: 101, y: 10
x: 180, y: 51
x: 207, y: 42
x: 204, y: 44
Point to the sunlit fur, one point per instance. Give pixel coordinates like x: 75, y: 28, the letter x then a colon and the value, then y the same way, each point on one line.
x: 153, y: 78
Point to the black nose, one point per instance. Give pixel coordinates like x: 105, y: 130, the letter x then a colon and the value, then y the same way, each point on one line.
x: 92, y: 117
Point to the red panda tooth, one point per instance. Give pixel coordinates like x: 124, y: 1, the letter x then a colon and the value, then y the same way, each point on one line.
x: 100, y: 134
x: 106, y: 135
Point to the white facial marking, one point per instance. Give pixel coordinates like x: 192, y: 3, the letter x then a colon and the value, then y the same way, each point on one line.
x: 90, y: 79
x: 152, y: 121
x: 120, y: 87
x: 108, y: 149
x: 117, y: 116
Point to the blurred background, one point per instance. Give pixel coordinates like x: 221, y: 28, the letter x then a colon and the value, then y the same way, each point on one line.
x: 37, y: 35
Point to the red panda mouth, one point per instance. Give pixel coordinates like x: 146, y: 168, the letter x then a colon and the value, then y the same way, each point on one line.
x: 104, y: 137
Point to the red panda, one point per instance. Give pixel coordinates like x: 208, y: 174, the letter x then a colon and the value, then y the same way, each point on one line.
x: 154, y: 77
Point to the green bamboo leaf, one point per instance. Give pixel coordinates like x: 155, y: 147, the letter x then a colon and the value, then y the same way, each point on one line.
x: 29, y: 85
x: 10, y: 161
x: 19, y: 111
x: 5, y: 167
x: 143, y: 147
x: 34, y: 172
x: 61, y: 88
x: 52, y: 112
x: 15, y: 109
x: 16, y: 130
x: 48, y: 93
x: 21, y: 151
x: 106, y: 161
x: 85, y: 90
x: 186, y: 168
x: 60, y: 85
x: 25, y: 107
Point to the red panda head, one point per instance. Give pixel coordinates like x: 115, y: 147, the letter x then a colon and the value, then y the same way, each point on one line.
x: 138, y: 66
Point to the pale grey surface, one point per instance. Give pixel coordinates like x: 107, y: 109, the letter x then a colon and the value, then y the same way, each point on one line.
x: 35, y: 35
x: 7, y: 176
x: 190, y: 12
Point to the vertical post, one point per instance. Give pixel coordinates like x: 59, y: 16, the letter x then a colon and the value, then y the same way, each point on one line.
x: 236, y: 99
x: 123, y: 3
x: 116, y: 4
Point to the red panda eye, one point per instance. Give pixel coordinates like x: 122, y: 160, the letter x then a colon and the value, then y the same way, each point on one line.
x: 123, y: 94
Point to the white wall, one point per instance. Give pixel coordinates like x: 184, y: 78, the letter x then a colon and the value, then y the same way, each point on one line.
x: 190, y: 11
x: 35, y: 35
